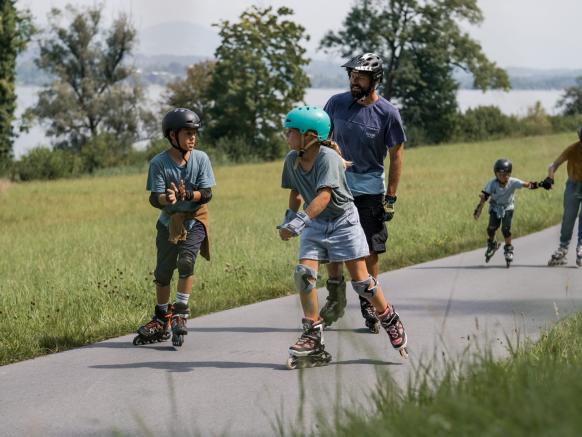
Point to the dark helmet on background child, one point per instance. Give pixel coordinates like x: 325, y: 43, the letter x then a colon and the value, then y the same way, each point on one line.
x: 179, y: 118
x: 503, y: 166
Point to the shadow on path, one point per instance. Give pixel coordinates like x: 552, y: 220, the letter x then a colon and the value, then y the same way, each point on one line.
x: 189, y: 366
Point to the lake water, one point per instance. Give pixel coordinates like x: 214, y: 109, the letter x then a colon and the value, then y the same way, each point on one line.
x: 513, y: 102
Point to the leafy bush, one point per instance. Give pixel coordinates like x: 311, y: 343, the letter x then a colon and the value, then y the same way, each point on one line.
x: 44, y: 163
x: 484, y: 122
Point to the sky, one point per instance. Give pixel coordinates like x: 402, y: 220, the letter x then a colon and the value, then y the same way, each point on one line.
x: 515, y: 33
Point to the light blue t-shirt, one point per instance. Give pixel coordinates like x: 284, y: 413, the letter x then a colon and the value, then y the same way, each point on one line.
x: 196, y: 173
x: 327, y: 171
x: 364, y: 134
x: 502, y: 198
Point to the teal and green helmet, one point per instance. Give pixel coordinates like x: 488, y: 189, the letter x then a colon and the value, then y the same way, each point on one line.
x: 309, y: 118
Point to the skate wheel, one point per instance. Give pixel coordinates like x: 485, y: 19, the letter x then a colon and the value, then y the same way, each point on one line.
x: 177, y: 340
x: 291, y: 363
x: 403, y: 352
x: 137, y: 341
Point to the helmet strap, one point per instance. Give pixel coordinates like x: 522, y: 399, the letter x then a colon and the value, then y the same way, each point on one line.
x: 178, y: 146
x: 304, y: 148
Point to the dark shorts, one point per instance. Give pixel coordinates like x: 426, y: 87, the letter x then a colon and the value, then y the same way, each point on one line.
x: 371, y: 214
x: 505, y: 222
x: 168, y: 253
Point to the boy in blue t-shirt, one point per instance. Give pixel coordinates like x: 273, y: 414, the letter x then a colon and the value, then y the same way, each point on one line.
x: 501, y: 190
x: 179, y: 181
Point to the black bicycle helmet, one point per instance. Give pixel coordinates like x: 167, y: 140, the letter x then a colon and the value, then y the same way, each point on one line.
x: 368, y: 62
x: 180, y: 118
x: 502, y: 165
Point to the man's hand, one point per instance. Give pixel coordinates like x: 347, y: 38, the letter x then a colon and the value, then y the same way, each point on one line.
x: 389, y: 207
x: 547, y: 183
x: 171, y: 194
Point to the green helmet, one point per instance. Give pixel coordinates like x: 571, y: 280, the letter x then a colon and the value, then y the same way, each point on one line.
x: 309, y: 118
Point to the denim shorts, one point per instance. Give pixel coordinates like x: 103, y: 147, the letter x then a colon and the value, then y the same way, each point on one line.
x: 341, y: 239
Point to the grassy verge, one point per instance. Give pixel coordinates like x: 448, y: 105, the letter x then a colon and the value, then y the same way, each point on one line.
x: 76, y: 256
x: 534, y: 392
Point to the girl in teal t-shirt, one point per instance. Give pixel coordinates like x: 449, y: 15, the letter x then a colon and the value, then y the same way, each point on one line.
x: 329, y: 230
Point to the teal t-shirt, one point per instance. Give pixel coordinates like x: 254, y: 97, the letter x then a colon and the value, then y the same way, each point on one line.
x: 327, y: 171
x: 196, y: 173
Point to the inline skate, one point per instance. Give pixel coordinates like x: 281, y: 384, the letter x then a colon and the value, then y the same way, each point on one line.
x: 579, y: 254
x: 492, y: 247
x: 508, y: 253
x: 390, y: 321
x: 559, y: 257
x: 309, y: 350
x: 157, y: 329
x: 369, y: 314
x: 335, y: 303
x: 180, y: 313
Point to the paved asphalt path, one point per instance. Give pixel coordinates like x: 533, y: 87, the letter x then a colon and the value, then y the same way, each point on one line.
x: 230, y: 377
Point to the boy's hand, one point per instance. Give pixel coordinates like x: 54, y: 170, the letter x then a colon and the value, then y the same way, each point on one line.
x: 477, y: 212
x: 183, y: 193
x: 171, y: 194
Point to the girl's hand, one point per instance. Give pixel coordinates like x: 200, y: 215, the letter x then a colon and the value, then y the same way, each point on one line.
x: 285, y: 234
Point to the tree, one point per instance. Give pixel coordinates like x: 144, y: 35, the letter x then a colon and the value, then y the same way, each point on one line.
x: 421, y: 43
x: 16, y: 30
x: 93, y: 93
x: 192, y: 91
x: 571, y: 100
x: 257, y: 79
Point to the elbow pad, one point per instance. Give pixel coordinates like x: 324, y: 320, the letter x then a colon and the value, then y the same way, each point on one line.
x: 205, y: 195
x: 485, y: 195
x: 155, y: 200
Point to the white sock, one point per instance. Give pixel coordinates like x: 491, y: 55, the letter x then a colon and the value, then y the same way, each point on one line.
x: 182, y: 298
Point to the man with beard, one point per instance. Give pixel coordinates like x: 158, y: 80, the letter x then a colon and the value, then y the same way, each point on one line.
x: 367, y: 127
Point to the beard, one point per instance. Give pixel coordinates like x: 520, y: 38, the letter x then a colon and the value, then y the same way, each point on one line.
x: 358, y: 93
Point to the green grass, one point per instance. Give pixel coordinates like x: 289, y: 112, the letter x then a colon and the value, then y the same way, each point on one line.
x: 534, y: 392
x: 77, y: 255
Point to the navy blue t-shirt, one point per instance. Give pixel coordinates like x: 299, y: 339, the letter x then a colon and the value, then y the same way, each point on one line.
x: 364, y: 134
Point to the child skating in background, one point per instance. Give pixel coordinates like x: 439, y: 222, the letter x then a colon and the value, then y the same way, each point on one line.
x: 329, y: 230
x: 501, y: 190
x: 179, y: 181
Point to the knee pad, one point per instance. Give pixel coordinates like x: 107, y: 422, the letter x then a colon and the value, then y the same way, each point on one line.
x: 366, y: 288
x: 185, y: 264
x: 305, y: 278
x: 506, y: 232
x: 491, y: 231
